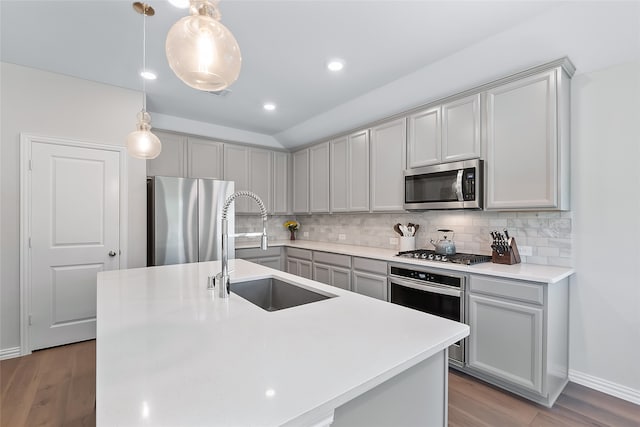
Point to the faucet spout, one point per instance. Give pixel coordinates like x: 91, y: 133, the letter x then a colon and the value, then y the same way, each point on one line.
x: 222, y: 279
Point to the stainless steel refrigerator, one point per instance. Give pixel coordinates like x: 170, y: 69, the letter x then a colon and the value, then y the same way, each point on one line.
x: 184, y: 219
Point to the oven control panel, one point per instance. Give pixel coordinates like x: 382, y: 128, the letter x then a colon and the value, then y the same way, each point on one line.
x: 426, y: 276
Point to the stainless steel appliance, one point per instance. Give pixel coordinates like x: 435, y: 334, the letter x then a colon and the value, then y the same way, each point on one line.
x: 184, y: 219
x: 457, y: 185
x: 457, y: 258
x: 430, y: 291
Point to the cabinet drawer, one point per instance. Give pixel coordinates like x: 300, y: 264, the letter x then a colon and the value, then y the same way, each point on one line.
x: 514, y: 289
x: 372, y: 265
x: 332, y: 259
x: 299, y: 253
x: 245, y: 253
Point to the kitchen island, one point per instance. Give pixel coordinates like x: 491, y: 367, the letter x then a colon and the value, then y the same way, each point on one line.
x: 170, y: 353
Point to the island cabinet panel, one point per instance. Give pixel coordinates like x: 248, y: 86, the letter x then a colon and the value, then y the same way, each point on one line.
x: 461, y: 129
x: 172, y: 160
x: 527, y: 135
x: 204, y: 158
x: 301, y: 181
x: 281, y: 203
x: 424, y: 137
x: 388, y: 161
x: 519, y: 335
x: 332, y: 269
x: 319, y: 178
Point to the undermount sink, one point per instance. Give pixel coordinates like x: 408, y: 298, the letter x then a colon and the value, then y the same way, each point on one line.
x: 273, y: 294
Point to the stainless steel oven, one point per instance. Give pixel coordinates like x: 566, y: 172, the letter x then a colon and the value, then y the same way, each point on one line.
x: 431, y: 291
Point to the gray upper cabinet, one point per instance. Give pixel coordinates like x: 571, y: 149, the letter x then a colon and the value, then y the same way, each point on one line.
x: 260, y: 178
x: 461, y: 129
x: 319, y: 178
x: 349, y: 160
x: 301, y: 181
x: 388, y: 161
x: 204, y: 158
x: 527, y: 143
x: 172, y: 160
x: 236, y: 169
x: 281, y: 183
x: 424, y: 137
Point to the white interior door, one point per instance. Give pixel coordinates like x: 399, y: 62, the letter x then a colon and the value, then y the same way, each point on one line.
x: 75, y: 228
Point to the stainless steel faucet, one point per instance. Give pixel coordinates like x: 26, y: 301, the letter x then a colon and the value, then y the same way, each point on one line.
x: 222, y: 278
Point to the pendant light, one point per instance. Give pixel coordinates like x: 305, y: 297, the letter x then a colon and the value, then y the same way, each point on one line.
x: 141, y: 143
x: 201, y: 51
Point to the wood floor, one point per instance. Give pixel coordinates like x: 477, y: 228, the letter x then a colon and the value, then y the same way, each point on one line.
x: 56, y: 387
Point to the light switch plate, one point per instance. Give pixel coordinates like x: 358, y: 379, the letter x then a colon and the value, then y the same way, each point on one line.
x: 342, y: 237
x: 305, y: 234
x: 393, y: 240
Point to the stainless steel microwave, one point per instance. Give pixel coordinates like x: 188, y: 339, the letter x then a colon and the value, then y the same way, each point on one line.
x: 457, y: 185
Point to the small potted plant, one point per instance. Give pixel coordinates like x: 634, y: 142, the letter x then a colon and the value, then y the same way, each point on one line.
x: 293, y: 227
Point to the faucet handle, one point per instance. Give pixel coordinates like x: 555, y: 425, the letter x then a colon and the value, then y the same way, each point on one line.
x: 211, y: 282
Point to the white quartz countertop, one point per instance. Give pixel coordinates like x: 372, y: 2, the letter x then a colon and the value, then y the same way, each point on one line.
x: 532, y: 272
x: 170, y: 353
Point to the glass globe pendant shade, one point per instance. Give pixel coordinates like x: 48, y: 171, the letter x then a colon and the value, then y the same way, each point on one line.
x: 201, y: 51
x: 141, y: 143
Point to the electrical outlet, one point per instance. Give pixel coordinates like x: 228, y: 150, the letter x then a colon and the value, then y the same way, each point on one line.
x: 525, y: 250
x: 342, y: 237
x: 305, y: 234
x: 393, y: 240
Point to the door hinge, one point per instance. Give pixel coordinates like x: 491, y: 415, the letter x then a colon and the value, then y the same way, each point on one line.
x: 29, y: 242
x: 30, y: 165
x: 30, y: 321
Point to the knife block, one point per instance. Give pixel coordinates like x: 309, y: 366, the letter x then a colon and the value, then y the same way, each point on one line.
x: 512, y: 256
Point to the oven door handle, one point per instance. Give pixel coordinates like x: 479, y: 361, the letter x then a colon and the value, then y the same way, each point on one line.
x: 428, y: 288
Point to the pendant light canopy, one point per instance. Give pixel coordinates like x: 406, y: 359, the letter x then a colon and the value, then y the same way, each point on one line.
x: 201, y: 51
x: 141, y: 143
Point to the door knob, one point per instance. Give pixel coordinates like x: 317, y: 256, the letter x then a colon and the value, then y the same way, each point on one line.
x: 112, y: 253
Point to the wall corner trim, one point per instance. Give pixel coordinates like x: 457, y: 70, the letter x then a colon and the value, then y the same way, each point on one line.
x: 608, y: 387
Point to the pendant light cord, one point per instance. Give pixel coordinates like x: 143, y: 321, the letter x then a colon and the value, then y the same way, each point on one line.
x: 144, y: 59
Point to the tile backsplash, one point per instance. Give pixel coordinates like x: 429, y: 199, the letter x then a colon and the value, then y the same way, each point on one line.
x: 548, y: 233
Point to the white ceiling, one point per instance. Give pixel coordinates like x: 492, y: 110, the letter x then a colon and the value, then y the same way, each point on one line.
x: 285, y: 46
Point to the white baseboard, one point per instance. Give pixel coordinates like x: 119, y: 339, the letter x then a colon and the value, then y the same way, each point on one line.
x: 9, y: 353
x: 607, y: 387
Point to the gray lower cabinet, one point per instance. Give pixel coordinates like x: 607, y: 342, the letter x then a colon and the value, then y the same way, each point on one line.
x: 519, y: 335
x: 332, y: 269
x: 272, y: 257
x: 369, y: 277
x: 299, y: 262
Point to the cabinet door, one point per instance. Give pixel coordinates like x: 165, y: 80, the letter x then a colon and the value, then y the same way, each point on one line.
x: 506, y: 340
x: 301, y: 181
x: 522, y: 145
x: 358, y: 179
x: 204, y: 158
x: 388, y: 162
x: 371, y: 285
x: 236, y: 169
x: 461, y: 129
x: 304, y: 269
x: 281, y: 176
x: 424, y: 138
x: 319, y: 178
x: 341, y: 277
x: 322, y: 273
x: 271, y: 262
x: 172, y: 158
x: 339, y: 174
x: 260, y: 178
x: 292, y: 266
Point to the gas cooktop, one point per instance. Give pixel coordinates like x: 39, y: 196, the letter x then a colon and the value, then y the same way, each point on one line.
x: 459, y: 258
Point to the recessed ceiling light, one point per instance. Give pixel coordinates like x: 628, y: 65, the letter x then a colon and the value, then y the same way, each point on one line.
x: 148, y: 75
x: 181, y: 4
x: 335, y: 65
x: 269, y: 106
